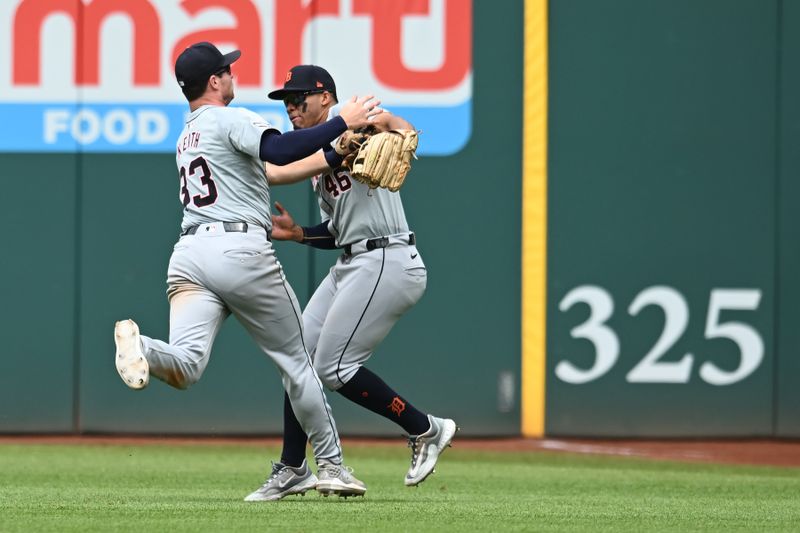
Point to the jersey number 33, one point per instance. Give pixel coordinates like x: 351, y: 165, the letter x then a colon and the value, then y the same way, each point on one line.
x: 198, y: 170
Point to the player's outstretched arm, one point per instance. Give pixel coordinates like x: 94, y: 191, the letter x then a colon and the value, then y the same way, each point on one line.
x: 282, y: 149
x: 387, y: 121
x: 284, y: 228
x: 298, y: 171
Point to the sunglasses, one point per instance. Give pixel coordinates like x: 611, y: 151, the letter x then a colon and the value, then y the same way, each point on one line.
x: 223, y: 71
x: 297, y: 99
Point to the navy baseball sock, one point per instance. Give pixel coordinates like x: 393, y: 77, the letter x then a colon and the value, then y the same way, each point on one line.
x: 368, y: 390
x: 294, y: 438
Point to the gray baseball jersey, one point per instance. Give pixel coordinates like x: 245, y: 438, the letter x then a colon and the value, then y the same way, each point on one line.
x: 222, y: 177
x: 219, y: 269
x: 354, y: 211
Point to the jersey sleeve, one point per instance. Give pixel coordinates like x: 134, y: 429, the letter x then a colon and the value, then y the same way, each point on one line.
x: 246, y: 129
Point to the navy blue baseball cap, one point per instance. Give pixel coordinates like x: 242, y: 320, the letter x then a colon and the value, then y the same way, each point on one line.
x: 305, y: 79
x: 200, y: 61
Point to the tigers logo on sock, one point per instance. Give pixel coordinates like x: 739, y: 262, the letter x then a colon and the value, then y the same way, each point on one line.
x: 397, y: 406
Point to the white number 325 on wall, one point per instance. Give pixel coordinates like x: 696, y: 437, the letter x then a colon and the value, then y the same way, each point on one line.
x: 676, y: 318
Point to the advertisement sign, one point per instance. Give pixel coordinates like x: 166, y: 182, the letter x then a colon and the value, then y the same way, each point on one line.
x: 97, y: 75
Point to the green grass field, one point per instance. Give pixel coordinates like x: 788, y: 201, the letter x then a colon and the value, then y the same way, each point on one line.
x: 49, y: 487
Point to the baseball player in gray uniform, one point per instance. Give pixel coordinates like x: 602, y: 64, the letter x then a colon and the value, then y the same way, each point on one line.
x: 374, y: 282
x: 224, y: 262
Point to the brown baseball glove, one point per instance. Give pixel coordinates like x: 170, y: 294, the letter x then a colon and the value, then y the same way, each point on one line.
x: 384, y: 159
x: 349, y: 142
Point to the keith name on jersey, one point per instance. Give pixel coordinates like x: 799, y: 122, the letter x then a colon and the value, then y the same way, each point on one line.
x: 190, y: 140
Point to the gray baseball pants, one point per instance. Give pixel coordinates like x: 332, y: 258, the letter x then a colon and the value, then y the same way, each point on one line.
x: 213, y: 274
x: 357, y: 304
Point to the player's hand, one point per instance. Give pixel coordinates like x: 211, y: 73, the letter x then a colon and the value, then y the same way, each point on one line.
x: 284, y: 227
x: 386, y: 121
x: 358, y: 111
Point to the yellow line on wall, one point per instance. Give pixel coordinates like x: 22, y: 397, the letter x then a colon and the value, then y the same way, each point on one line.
x: 534, y: 218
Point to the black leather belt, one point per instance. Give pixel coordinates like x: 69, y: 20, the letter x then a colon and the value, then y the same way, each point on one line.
x: 379, y: 242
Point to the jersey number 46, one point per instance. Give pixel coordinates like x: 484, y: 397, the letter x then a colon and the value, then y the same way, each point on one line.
x: 338, y: 183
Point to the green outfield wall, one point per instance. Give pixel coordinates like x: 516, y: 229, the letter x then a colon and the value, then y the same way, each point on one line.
x: 672, y: 235
x: 787, y: 337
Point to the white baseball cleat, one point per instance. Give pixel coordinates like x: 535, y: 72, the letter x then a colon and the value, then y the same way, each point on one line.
x: 426, y: 448
x: 339, y: 480
x: 284, y: 481
x: 130, y: 361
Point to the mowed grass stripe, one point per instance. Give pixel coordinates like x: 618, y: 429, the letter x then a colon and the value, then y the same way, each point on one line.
x: 200, y: 488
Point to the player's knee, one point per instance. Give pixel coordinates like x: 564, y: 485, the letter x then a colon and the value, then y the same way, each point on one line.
x: 327, y: 375
x: 329, y: 381
x: 182, y: 381
x: 184, y: 378
x: 333, y: 377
